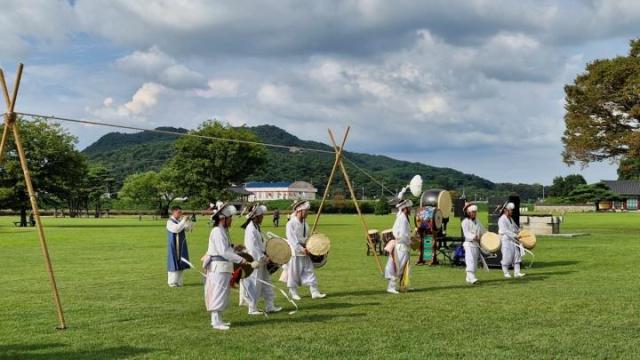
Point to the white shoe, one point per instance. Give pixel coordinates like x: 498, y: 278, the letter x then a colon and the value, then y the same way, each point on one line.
x: 317, y: 295
x: 294, y: 295
x: 222, y: 327
x: 173, y: 285
x: 255, y: 312
x: 519, y: 275
x: 274, y: 309
x: 392, y: 291
x: 507, y: 276
x: 472, y: 281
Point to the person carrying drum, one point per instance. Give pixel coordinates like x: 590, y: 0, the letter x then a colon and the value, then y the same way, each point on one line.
x: 252, y: 289
x: 511, y: 248
x: 218, y: 265
x: 398, y: 262
x: 472, y: 230
x: 300, y: 270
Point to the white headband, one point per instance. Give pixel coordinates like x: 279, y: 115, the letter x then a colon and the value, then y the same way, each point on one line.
x: 472, y: 208
x: 404, y: 204
x: 303, y: 206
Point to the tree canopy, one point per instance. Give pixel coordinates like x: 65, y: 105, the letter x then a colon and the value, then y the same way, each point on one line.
x: 204, y: 169
x: 603, y: 110
x: 54, y: 164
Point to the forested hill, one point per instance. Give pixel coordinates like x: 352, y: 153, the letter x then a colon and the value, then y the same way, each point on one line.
x: 125, y: 154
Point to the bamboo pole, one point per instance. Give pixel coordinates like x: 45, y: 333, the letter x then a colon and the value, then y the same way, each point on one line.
x: 10, y: 121
x: 7, y: 125
x: 355, y: 202
x: 331, y: 176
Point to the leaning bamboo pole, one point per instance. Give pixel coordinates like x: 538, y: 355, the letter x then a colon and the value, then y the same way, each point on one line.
x: 11, y: 124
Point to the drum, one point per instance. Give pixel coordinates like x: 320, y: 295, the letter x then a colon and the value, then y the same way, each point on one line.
x: 272, y: 267
x: 278, y: 250
x: 437, y: 198
x: 374, y: 235
x: 490, y: 242
x: 387, y: 235
x: 319, y: 260
x: 241, y: 271
x: 429, y: 218
x: 527, y: 239
x: 445, y: 204
x: 430, y: 198
x: 318, y: 244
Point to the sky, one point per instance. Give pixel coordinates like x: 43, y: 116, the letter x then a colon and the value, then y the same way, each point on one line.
x: 474, y: 85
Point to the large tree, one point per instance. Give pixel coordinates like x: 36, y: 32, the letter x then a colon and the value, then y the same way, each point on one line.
x: 603, y: 110
x: 206, y: 168
x: 53, y: 162
x: 151, y: 189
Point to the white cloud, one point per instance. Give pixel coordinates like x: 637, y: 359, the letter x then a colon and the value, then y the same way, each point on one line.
x: 157, y: 66
x: 146, y: 97
x: 274, y: 95
x: 220, y: 88
x: 433, y: 105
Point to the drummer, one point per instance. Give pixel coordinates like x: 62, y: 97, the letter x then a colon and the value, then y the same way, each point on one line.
x: 398, y: 262
x: 218, y: 265
x: 511, y: 248
x: 252, y: 289
x: 472, y: 230
x: 300, y: 270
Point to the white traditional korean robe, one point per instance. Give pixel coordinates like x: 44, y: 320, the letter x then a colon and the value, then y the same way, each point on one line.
x: 300, y: 270
x: 401, y: 252
x: 219, y: 268
x: 252, y: 288
x: 471, y: 229
x: 508, y: 231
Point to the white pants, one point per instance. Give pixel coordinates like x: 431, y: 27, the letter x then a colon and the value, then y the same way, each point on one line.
x: 471, y: 256
x: 393, y: 271
x: 252, y: 289
x: 175, y: 278
x: 510, y: 253
x: 300, y: 271
x: 216, y: 291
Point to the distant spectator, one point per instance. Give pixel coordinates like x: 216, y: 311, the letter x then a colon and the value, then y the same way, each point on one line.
x: 276, y: 217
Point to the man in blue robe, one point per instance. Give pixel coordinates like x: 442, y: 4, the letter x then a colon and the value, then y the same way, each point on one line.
x: 177, y: 225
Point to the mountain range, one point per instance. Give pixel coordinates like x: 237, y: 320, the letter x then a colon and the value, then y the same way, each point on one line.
x: 128, y: 153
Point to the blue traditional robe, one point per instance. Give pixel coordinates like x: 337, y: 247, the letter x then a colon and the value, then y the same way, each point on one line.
x: 176, y: 248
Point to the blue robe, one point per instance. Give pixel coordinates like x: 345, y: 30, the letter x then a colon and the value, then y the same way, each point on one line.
x: 173, y: 254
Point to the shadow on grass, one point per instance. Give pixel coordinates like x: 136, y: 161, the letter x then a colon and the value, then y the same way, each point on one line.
x: 295, y: 318
x: 57, y: 351
x: 547, y: 264
x: 331, y: 305
x: 532, y: 277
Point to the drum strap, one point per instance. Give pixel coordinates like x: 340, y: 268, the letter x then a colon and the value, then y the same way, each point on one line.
x: 524, y: 251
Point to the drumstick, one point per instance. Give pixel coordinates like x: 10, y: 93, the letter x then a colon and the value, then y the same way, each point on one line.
x: 283, y: 294
x: 191, y: 265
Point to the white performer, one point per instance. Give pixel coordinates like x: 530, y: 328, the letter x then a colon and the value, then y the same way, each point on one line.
x: 472, y: 230
x: 398, y: 261
x: 218, y: 265
x: 300, y: 270
x: 511, y: 249
x: 252, y: 289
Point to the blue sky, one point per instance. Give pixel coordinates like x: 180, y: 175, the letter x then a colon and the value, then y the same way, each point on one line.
x: 472, y: 85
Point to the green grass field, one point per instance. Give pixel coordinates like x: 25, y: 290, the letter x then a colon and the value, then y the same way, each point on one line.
x: 580, y: 299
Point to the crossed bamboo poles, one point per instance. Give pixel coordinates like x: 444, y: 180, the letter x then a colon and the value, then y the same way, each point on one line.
x: 10, y: 125
x: 338, y: 163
